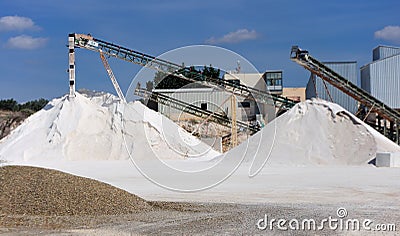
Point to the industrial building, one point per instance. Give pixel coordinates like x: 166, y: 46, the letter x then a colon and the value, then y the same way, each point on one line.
x: 316, y: 87
x: 382, y: 52
x: 217, y: 100
x: 381, y: 78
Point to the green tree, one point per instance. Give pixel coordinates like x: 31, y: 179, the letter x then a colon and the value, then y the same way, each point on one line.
x: 164, y: 80
x: 9, y: 105
x: 34, y: 105
x: 211, y: 72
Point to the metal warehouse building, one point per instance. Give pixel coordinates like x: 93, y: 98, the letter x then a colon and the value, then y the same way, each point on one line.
x: 381, y: 78
x: 382, y: 52
x: 316, y: 87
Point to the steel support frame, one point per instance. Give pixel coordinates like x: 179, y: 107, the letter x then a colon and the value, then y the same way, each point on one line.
x: 71, y: 66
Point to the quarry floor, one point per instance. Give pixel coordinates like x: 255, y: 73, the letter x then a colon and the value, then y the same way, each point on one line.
x: 221, y: 219
x: 280, y: 184
x: 235, y: 205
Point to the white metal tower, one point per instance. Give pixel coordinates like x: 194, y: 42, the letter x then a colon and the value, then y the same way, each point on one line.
x: 71, y: 68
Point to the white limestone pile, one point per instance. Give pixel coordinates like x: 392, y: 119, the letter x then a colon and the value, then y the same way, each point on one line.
x: 315, y: 132
x: 93, y: 127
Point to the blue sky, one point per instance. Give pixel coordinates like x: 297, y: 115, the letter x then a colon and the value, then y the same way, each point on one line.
x: 33, y: 35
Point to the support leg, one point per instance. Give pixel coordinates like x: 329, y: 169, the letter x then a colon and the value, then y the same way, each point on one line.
x: 71, y: 68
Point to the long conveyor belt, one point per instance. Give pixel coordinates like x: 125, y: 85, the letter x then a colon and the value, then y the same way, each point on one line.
x: 303, y: 58
x: 110, y: 49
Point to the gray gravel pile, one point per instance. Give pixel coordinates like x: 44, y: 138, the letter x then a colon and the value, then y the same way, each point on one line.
x: 36, y: 191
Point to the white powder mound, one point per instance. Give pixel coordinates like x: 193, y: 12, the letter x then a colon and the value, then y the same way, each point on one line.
x: 90, y: 127
x: 315, y: 132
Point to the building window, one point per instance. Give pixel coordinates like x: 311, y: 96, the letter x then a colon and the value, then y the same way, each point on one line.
x: 273, y: 78
x: 204, y: 106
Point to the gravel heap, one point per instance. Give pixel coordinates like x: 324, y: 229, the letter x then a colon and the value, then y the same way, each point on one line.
x: 36, y: 191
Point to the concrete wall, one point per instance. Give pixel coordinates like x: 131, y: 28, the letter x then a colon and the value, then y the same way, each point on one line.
x: 388, y: 159
x: 253, y: 80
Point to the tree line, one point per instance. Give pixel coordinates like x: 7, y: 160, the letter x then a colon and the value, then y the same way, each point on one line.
x: 163, y: 80
x: 12, y: 105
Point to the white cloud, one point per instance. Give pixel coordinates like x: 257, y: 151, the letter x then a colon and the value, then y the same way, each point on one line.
x: 235, y: 37
x: 389, y: 33
x: 19, y: 23
x: 26, y: 42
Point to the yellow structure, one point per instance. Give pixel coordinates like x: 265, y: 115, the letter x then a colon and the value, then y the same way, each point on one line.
x: 296, y: 94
